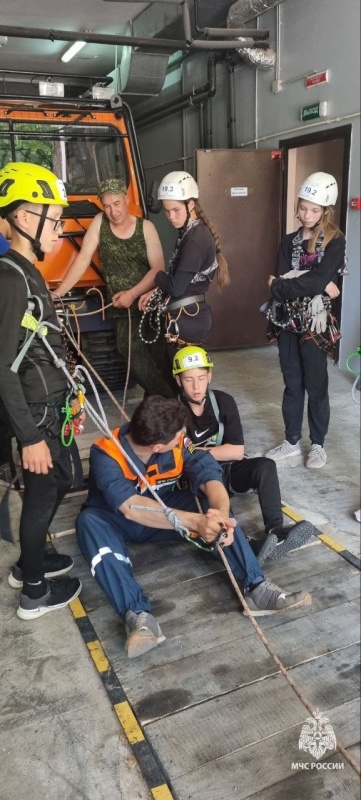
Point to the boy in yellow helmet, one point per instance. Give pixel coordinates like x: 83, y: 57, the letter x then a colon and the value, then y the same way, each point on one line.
x: 32, y: 388
x: 214, y: 424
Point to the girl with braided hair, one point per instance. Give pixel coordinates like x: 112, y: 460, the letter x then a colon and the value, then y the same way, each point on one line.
x: 196, y: 261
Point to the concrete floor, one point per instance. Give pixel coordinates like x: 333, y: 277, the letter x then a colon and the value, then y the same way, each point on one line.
x: 59, y: 737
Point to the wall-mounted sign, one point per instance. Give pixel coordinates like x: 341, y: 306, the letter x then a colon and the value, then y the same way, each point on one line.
x: 239, y: 191
x: 313, y: 111
x: 315, y: 80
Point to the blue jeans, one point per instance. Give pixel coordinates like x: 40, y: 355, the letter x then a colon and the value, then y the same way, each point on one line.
x: 103, y: 535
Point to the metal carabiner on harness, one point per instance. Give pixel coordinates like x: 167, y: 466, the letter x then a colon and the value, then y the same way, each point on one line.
x: 172, y: 338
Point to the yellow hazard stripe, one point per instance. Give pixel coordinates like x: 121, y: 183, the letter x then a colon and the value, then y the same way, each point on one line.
x: 129, y: 723
x: 161, y: 793
x: 324, y: 537
x: 77, y: 608
x: 149, y: 767
x: 97, y: 653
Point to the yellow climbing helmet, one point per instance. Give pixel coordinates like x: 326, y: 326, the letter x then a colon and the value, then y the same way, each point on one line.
x: 191, y: 357
x: 29, y: 183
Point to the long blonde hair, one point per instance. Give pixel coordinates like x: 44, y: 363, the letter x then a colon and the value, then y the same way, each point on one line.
x: 326, y: 225
x: 223, y: 278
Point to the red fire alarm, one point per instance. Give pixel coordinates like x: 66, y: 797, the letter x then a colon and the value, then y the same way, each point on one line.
x: 355, y: 203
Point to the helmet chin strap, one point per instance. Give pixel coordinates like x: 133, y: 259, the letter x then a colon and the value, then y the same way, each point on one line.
x: 35, y: 243
x: 195, y: 402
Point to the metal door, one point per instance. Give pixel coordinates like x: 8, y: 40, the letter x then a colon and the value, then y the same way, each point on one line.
x: 240, y: 193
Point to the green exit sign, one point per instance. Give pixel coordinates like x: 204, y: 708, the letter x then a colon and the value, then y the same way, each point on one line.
x: 310, y: 112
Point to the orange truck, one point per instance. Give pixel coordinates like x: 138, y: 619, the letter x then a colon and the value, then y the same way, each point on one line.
x: 83, y: 141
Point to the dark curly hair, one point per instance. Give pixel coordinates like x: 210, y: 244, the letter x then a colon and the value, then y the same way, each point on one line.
x: 157, y: 420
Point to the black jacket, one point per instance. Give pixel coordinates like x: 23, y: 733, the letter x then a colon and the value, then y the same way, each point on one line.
x: 26, y: 393
x: 316, y: 279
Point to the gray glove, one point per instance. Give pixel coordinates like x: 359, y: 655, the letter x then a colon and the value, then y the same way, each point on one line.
x: 319, y: 322
x: 315, y: 305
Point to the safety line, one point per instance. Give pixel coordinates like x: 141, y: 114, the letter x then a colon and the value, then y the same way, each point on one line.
x: 141, y: 748
x: 326, y: 539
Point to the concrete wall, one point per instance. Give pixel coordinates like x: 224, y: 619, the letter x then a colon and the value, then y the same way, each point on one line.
x: 315, y: 35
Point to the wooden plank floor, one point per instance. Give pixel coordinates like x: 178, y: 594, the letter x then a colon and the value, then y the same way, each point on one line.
x: 221, y: 719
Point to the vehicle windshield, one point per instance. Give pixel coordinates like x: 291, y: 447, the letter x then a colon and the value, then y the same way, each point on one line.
x: 82, y: 155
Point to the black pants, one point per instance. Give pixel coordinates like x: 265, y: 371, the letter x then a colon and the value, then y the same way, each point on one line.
x: 259, y: 474
x: 194, y: 326
x: 42, y: 496
x: 146, y: 360
x: 304, y: 369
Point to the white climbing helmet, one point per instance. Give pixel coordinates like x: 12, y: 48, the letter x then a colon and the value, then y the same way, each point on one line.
x: 178, y: 186
x: 320, y: 188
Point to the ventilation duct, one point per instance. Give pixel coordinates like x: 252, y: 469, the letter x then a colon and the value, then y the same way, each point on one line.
x: 243, y: 11
x: 142, y: 73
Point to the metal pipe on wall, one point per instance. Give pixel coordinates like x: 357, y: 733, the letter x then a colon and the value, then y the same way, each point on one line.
x: 231, y: 106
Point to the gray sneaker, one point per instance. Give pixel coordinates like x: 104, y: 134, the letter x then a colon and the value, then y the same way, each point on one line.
x: 267, y: 549
x: 267, y: 599
x: 298, y: 535
x: 283, y: 451
x: 143, y: 633
x: 317, y: 457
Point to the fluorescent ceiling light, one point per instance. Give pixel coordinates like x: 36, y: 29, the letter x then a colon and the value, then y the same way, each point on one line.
x: 72, y: 51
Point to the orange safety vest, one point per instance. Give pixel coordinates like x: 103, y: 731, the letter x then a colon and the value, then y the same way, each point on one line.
x: 154, y: 473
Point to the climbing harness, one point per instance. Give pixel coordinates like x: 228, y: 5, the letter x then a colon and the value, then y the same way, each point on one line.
x: 294, y: 316
x: 172, y: 331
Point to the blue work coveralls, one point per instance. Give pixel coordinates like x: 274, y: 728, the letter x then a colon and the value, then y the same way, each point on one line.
x: 103, y: 532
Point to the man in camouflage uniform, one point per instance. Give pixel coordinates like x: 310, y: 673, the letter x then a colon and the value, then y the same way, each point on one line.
x: 130, y: 255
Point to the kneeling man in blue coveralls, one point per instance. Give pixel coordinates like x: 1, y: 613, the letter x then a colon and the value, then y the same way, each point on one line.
x: 120, y: 508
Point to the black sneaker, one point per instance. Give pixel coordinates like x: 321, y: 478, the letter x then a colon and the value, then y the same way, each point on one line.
x: 54, y: 564
x: 59, y: 594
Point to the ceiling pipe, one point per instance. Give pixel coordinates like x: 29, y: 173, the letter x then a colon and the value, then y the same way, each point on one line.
x: 92, y: 38
x: 227, y: 33
x: 184, y: 101
x: 136, y: 41
x: 208, y: 44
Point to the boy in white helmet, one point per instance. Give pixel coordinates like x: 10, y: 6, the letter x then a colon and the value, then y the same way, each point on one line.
x: 33, y: 390
x: 303, y: 322
x: 214, y: 425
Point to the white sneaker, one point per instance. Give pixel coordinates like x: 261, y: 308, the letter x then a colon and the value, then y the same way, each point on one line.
x: 317, y: 457
x: 284, y: 450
